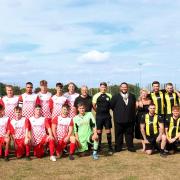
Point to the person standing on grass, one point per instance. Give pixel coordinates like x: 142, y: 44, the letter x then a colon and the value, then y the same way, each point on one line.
x: 20, y: 130
x: 123, y: 105
x: 172, y: 129
x: 101, y: 105
x: 85, y: 98
x: 71, y: 95
x: 152, y: 129
x: 157, y: 97
x: 56, y: 101
x: 142, y: 105
x: 44, y: 97
x: 28, y: 101
x: 85, y: 131
x: 170, y: 99
x: 39, y: 128
x: 4, y: 134
x: 62, y: 128
x: 10, y: 101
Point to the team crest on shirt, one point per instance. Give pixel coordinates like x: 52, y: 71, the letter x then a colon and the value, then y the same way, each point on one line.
x: 107, y: 99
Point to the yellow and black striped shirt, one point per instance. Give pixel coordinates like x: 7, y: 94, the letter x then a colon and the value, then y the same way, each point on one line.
x: 158, y: 100
x: 170, y: 100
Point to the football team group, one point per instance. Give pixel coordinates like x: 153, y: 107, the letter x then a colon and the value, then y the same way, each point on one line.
x: 63, y: 123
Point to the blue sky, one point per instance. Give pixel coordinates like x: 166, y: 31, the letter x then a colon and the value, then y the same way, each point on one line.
x: 89, y: 41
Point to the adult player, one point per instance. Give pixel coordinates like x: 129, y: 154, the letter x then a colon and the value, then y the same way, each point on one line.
x: 152, y: 129
x: 71, y: 95
x: 170, y: 99
x: 101, y: 104
x: 85, y: 131
x: 62, y: 128
x: 10, y: 101
x: 4, y: 134
x: 39, y: 128
x: 44, y: 97
x: 56, y: 101
x: 28, y: 101
x: 20, y: 130
x: 173, y: 130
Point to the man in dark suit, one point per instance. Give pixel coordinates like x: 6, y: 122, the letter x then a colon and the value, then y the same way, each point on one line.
x: 123, y: 105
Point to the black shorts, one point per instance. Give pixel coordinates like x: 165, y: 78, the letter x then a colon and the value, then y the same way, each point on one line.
x: 173, y: 146
x: 152, y: 143
x: 103, y: 121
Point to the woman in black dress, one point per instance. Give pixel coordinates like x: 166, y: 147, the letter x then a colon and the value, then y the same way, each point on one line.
x: 142, y: 105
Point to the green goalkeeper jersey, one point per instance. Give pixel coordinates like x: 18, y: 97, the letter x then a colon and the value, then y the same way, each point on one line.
x: 83, y: 125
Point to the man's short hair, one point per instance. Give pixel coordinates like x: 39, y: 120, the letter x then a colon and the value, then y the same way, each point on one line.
x: 66, y: 106
x: 81, y: 104
x: 152, y: 104
x: 1, y: 107
x: 43, y: 83
x: 38, y: 106
x: 29, y: 83
x: 125, y: 83
x: 103, y: 84
x: 9, y: 86
x: 169, y: 84
x: 175, y: 108
x: 18, y: 108
x: 155, y: 82
x: 59, y: 85
x: 84, y: 86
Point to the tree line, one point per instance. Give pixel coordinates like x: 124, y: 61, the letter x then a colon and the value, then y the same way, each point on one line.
x: 113, y: 89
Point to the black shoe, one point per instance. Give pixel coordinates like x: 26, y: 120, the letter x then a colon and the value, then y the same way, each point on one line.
x: 28, y: 158
x: 118, y: 149
x: 163, y: 153
x: 131, y: 149
x: 6, y: 158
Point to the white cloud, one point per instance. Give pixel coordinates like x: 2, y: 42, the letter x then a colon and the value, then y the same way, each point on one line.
x: 94, y: 56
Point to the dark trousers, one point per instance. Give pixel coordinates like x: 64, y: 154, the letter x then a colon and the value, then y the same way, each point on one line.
x: 122, y: 129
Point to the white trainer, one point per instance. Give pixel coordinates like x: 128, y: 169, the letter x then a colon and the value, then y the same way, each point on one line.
x: 53, y: 158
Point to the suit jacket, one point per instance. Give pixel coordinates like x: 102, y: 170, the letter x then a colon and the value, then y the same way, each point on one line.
x: 123, y: 113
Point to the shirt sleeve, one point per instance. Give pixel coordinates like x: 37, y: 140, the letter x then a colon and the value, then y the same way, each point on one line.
x: 1, y: 102
x: 71, y: 123
x: 94, y: 99
x: 50, y: 104
x: 27, y: 124
x: 47, y: 124
x: 55, y: 120
x: 160, y: 119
